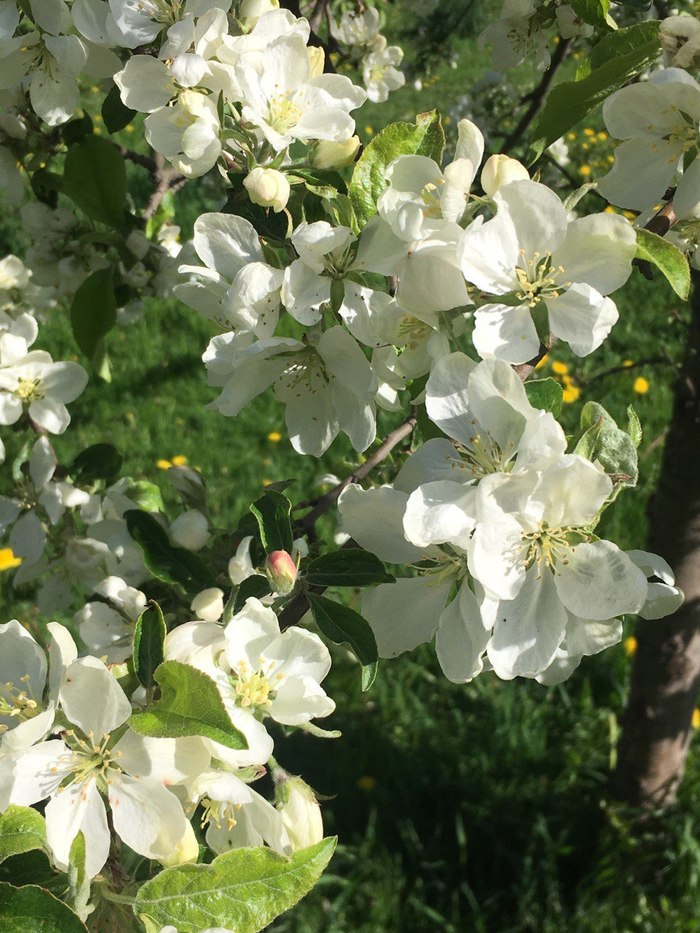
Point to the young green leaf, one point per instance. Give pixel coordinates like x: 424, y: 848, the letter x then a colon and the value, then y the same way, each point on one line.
x: 93, y: 311
x: 115, y: 114
x: 345, y: 626
x: 31, y: 909
x: 99, y: 461
x: 667, y: 258
x: 347, y: 567
x: 78, y: 880
x: 94, y: 178
x: 273, y: 511
x: 190, y: 704
x: 571, y: 101
x: 168, y: 563
x: 545, y: 394
x: 242, y: 890
x: 424, y: 137
x: 21, y: 830
x: 612, y: 447
x: 149, y: 639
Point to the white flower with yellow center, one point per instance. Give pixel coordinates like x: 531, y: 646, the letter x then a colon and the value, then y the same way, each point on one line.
x: 541, y: 273
x: 35, y: 383
x: 658, y: 123
x: 288, y: 98
x: 379, y: 71
x: 96, y: 759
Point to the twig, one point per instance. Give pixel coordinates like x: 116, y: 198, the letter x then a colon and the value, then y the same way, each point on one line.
x: 536, y: 97
x: 167, y: 179
x: 381, y: 453
x: 139, y: 159
x: 652, y: 361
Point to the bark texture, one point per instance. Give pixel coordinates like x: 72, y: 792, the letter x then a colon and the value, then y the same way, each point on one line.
x: 656, y: 727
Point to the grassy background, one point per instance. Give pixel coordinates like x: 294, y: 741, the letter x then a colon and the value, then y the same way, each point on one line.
x: 458, y: 808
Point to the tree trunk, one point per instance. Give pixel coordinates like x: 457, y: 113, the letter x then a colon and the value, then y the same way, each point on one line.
x: 656, y: 726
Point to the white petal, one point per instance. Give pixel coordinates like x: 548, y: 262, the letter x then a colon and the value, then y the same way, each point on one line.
x: 600, y: 582
x: 461, y: 638
x: 78, y: 808
x: 506, y: 333
x: 582, y: 317
x: 146, y: 816
x: 374, y: 518
x: 404, y: 614
x: 92, y: 698
x: 439, y: 513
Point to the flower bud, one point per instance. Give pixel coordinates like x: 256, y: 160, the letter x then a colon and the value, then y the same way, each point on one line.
x: 209, y: 604
x: 330, y: 154
x: 268, y: 188
x: 281, y: 572
x: 301, y: 813
x: 190, y: 530
x: 499, y: 170
x: 187, y: 850
x: 317, y: 59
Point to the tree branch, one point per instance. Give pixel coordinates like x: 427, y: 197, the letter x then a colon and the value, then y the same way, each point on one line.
x: 167, y: 179
x: 537, y: 97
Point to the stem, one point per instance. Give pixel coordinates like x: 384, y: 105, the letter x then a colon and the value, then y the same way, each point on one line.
x: 537, y: 97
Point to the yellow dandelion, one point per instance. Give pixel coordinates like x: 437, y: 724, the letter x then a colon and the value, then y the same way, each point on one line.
x: 180, y: 460
x: 274, y: 436
x: 129, y: 129
x: 369, y: 130
x: 571, y: 394
x: 543, y: 362
x: 641, y: 385
x: 566, y: 380
x: 602, y: 136
x: 8, y: 560
x: 585, y: 170
x: 367, y: 782
x: 94, y: 89
x: 559, y: 367
x: 610, y: 209
x: 97, y: 131
x: 627, y: 363
x: 611, y: 159
x: 585, y: 147
x: 266, y: 482
x: 630, y: 645
x: 163, y: 464
x: 695, y: 721
x: 571, y: 135
x: 588, y: 131
x: 446, y: 120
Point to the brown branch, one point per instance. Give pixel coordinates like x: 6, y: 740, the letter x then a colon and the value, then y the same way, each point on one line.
x: 537, y: 97
x: 652, y: 361
x: 139, y: 159
x: 167, y: 179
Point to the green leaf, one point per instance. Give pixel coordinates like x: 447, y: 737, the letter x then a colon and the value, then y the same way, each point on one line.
x: 345, y: 626
x: 31, y: 909
x: 115, y: 114
x: 256, y: 585
x: 94, y: 178
x: 634, y: 426
x: 93, y: 312
x: 21, y: 830
x: 146, y: 495
x: 99, y: 461
x: 369, y: 675
x: 149, y: 638
x: 78, y: 881
x: 76, y: 130
x: 612, y: 447
x: 667, y: 258
x: 347, y: 567
x: 424, y: 137
x: 627, y: 52
x: 545, y: 394
x: 168, y: 563
x: 594, y: 12
x: 242, y: 890
x: 46, y: 185
x: 190, y: 704
x: 273, y: 512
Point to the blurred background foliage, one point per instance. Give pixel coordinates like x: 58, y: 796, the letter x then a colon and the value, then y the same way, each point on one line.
x: 481, y: 807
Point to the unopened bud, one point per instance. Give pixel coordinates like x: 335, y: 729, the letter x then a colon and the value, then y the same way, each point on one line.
x: 300, y: 811
x: 499, y: 170
x: 330, y: 154
x: 187, y: 850
x: 317, y: 59
x: 209, y: 604
x: 190, y: 530
x: 268, y: 188
x: 281, y: 572
x: 252, y: 9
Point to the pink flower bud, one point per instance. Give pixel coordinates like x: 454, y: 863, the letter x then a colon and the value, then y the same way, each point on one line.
x: 281, y: 572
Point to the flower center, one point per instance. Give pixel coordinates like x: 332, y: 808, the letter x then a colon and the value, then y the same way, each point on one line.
x: 17, y: 702
x: 219, y: 812
x: 537, y: 278
x: 306, y: 373
x: 283, y: 112
x: 29, y: 390
x: 548, y: 546
x: 254, y: 689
